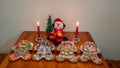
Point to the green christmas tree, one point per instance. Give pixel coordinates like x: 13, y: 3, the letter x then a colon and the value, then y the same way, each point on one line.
x: 49, y: 25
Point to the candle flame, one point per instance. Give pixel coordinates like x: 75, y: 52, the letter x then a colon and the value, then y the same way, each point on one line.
x: 38, y: 23
x: 77, y: 23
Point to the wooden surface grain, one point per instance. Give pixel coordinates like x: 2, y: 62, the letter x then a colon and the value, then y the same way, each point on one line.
x: 30, y: 36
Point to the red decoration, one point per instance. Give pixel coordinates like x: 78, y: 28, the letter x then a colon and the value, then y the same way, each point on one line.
x: 52, y: 36
x: 57, y: 35
x: 76, y: 35
x: 58, y: 25
x: 38, y: 29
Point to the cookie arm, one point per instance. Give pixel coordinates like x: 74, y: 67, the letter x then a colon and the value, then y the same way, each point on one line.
x: 31, y: 46
x: 98, y: 51
x: 36, y: 47
x: 75, y: 48
x: 59, y: 47
x: 52, y: 47
x: 81, y: 48
x: 14, y: 48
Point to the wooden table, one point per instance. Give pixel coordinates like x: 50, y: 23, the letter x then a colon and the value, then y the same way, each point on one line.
x: 30, y: 35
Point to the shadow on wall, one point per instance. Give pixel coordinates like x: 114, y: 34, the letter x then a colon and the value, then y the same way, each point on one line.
x: 5, y: 48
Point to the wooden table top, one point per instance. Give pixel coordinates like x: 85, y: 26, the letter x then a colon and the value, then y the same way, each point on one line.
x: 30, y: 36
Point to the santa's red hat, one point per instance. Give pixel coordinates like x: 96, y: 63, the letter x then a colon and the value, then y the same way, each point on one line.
x: 58, y: 20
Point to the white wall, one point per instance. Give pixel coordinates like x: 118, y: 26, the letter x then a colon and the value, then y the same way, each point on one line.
x: 100, y: 17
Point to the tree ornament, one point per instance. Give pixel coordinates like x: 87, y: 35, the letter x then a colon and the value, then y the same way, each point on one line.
x: 49, y: 25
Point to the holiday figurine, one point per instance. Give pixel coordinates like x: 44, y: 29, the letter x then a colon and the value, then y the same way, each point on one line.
x: 49, y: 25
x: 44, y: 50
x: 67, y: 50
x: 21, y: 50
x: 89, y: 52
x: 52, y: 36
x: 57, y: 36
x: 58, y: 25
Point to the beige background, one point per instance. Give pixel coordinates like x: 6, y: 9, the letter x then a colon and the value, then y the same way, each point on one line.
x: 100, y: 17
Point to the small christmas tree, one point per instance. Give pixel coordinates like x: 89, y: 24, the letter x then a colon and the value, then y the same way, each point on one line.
x: 49, y: 25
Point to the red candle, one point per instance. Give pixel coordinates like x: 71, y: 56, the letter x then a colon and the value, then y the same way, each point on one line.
x: 38, y: 29
x: 76, y: 35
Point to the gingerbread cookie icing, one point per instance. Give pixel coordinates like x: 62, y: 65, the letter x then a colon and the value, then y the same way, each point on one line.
x: 44, y: 50
x: 67, y: 50
x: 90, y: 52
x: 21, y: 50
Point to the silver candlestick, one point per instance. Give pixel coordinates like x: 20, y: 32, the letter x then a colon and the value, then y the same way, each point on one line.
x: 38, y: 39
x: 76, y: 39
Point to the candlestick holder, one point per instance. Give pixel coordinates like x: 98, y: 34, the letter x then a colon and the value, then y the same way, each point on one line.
x: 76, y: 39
x: 38, y: 39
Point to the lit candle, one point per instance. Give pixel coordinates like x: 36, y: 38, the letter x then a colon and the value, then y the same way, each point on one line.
x: 77, y: 24
x: 38, y: 28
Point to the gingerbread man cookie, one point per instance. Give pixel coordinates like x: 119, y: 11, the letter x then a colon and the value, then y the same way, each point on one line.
x: 89, y: 52
x: 21, y: 50
x: 67, y: 50
x: 44, y: 50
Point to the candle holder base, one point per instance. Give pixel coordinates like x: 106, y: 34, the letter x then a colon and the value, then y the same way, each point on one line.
x: 38, y: 39
x: 76, y: 40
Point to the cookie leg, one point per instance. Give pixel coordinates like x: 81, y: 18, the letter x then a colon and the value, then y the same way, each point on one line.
x: 27, y: 56
x: 49, y: 57
x: 58, y: 58
x: 96, y: 59
x: 74, y: 59
x: 36, y: 57
x: 84, y: 58
x: 13, y: 57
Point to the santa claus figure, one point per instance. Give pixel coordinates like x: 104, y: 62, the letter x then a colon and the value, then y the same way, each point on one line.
x: 58, y: 25
x: 57, y: 35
